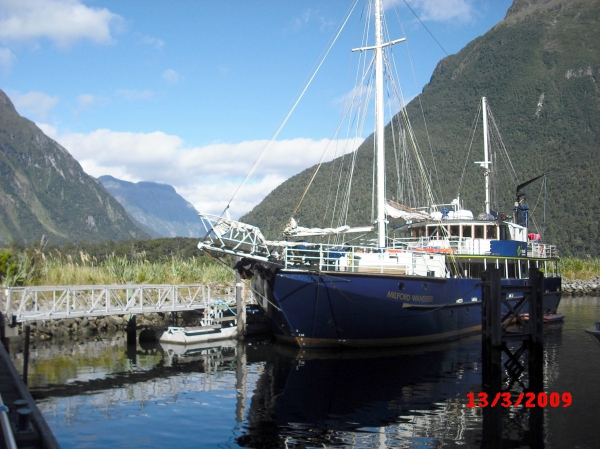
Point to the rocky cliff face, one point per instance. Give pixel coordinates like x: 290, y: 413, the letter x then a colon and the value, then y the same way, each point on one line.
x: 157, y: 208
x: 44, y: 192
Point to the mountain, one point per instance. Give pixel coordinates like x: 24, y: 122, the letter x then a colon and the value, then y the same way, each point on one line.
x: 156, y: 208
x: 44, y: 192
x: 539, y: 69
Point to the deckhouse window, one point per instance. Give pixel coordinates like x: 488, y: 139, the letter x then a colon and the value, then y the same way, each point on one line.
x: 478, y: 232
x: 492, y: 232
x: 467, y: 231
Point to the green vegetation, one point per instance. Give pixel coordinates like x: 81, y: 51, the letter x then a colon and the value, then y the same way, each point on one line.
x: 581, y: 269
x: 161, y: 261
x: 539, y: 70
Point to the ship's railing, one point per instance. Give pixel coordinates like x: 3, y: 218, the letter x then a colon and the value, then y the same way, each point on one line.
x: 364, y: 259
x: 233, y: 237
x: 542, y: 251
x: 453, y: 245
x: 468, y: 246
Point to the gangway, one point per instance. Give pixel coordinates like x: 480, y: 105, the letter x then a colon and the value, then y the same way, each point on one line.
x: 25, y: 304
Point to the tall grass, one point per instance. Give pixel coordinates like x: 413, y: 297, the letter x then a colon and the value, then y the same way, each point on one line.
x: 37, y: 268
x: 42, y: 269
x: 581, y: 269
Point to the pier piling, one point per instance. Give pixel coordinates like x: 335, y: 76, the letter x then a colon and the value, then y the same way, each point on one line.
x: 503, y: 324
x: 240, y: 307
x: 27, y: 332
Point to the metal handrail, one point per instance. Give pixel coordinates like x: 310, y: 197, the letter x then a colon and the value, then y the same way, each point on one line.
x: 9, y: 438
x: 361, y: 259
x: 57, y: 302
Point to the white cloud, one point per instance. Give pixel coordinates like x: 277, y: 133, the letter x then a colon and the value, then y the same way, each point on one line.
x: 172, y: 77
x: 438, y: 10
x: 154, y: 42
x: 206, y: 176
x: 306, y: 18
x: 34, y: 104
x: 62, y: 21
x: 7, y: 58
x: 49, y: 130
x: 132, y: 94
x: 86, y: 101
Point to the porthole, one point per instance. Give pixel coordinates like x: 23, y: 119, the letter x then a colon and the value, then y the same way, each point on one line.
x: 424, y: 286
x: 401, y: 285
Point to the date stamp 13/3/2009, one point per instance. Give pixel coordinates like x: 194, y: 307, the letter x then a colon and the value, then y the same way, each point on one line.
x: 524, y: 399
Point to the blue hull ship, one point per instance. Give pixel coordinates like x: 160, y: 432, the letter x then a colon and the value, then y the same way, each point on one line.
x: 326, y: 309
x: 414, y: 275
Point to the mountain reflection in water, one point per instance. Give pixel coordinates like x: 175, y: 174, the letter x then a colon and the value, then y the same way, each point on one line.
x: 262, y: 395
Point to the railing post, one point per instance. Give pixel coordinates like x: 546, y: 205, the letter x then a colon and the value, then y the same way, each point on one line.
x: 320, y: 257
x: 240, y: 306
x: 9, y: 298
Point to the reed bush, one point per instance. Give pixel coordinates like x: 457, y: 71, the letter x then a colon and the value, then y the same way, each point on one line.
x: 34, y: 267
x: 31, y: 268
x: 580, y: 269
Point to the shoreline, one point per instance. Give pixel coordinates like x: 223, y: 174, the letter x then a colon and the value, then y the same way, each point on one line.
x: 578, y: 287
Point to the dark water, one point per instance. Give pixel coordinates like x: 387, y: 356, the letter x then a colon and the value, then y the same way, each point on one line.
x: 264, y: 395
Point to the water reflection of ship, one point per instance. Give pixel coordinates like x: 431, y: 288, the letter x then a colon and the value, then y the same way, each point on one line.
x: 336, y: 398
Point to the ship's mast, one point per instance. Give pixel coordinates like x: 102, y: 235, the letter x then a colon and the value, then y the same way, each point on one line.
x: 379, y: 127
x: 379, y: 119
x: 486, y: 156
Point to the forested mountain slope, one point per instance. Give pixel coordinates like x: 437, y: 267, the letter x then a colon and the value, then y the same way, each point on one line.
x: 44, y: 192
x: 539, y: 69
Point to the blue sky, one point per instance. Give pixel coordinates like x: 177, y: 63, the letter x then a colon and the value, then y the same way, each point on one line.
x: 188, y: 92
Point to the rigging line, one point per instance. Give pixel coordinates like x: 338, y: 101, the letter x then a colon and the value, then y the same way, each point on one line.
x: 537, y: 201
x: 440, y: 45
x: 418, y: 158
x: 365, y: 92
x: 345, y: 200
x: 268, y: 146
x: 502, y: 146
x: 395, y: 147
x: 325, y: 152
x: 474, y: 130
x: 361, y: 60
x: 374, y: 180
x: 437, y: 176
